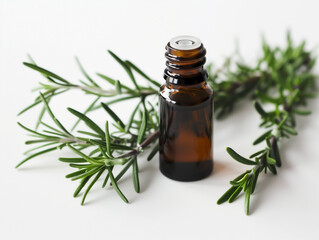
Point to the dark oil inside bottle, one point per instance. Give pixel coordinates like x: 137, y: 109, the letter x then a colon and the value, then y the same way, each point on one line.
x: 186, y: 117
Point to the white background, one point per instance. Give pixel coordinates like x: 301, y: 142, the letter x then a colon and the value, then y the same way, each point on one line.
x: 36, y: 201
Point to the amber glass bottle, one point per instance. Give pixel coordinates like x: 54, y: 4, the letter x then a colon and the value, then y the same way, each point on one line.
x: 186, y: 112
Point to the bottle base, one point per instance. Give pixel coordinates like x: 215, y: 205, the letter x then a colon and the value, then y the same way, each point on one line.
x: 186, y: 171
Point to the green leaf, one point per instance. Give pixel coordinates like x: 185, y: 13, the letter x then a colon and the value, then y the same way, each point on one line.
x: 272, y: 168
x: 115, y: 186
x: 118, y: 87
x: 294, y: 96
x: 36, y: 154
x: 241, y: 176
x: 90, y: 172
x: 139, y: 71
x: 257, y: 153
x: 142, y: 129
x: 129, y: 124
x: 72, y: 160
x: 239, y: 158
x: 113, y: 115
x: 97, y: 142
x: 136, y: 180
x: 41, y: 141
x: 254, y: 182
x: 262, y: 137
x: 37, y: 133
x: 270, y: 160
x: 275, y: 152
x: 84, y: 156
x: 57, y: 122
x: 120, y: 147
x: 245, y: 184
x: 39, y: 101
x: 113, y: 82
x: 226, y: 195
x: 282, y: 122
x: 103, y: 152
x: 87, y: 166
x: 247, y: 199
x: 81, y: 185
x: 53, y: 129
x: 124, y: 170
x: 265, y: 98
x: 239, y: 181
x: 289, y: 130
x: 91, y: 184
x: 244, y: 68
x: 107, y: 140
x: 106, y: 178
x: 31, y: 59
x: 260, y: 110
x: 301, y: 112
x: 116, y: 101
x: 94, y: 151
x: 46, y: 72
x: 153, y: 152
x: 77, y: 173
x: 126, y: 68
x: 40, y: 117
x: 88, y: 122
x: 115, y: 161
x: 235, y: 194
x: 54, y: 133
x: 85, y: 73
x: 310, y: 94
x: 38, y: 147
x: 89, y: 133
x: 89, y: 108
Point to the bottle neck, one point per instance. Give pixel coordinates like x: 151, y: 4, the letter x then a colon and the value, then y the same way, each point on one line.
x: 185, y: 67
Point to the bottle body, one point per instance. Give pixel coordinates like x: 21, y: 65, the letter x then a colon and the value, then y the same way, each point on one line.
x: 186, y: 118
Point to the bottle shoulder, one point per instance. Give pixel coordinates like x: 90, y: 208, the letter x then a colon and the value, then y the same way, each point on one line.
x: 186, y: 95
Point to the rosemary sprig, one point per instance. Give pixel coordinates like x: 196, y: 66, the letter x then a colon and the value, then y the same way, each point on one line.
x: 57, y: 85
x: 99, y: 150
x: 282, y: 77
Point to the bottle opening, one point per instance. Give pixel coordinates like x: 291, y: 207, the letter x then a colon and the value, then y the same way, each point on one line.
x: 185, y: 42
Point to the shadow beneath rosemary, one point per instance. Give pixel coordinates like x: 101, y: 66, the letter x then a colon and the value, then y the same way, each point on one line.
x: 147, y: 174
x: 43, y: 166
x: 288, y: 148
x: 262, y: 191
x: 269, y: 180
x: 98, y: 194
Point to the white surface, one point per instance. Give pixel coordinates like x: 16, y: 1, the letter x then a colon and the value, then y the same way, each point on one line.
x: 36, y: 201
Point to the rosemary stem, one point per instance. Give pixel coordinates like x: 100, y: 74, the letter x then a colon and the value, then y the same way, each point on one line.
x: 236, y: 85
x: 73, y: 140
x: 106, y: 93
x: 143, y: 145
